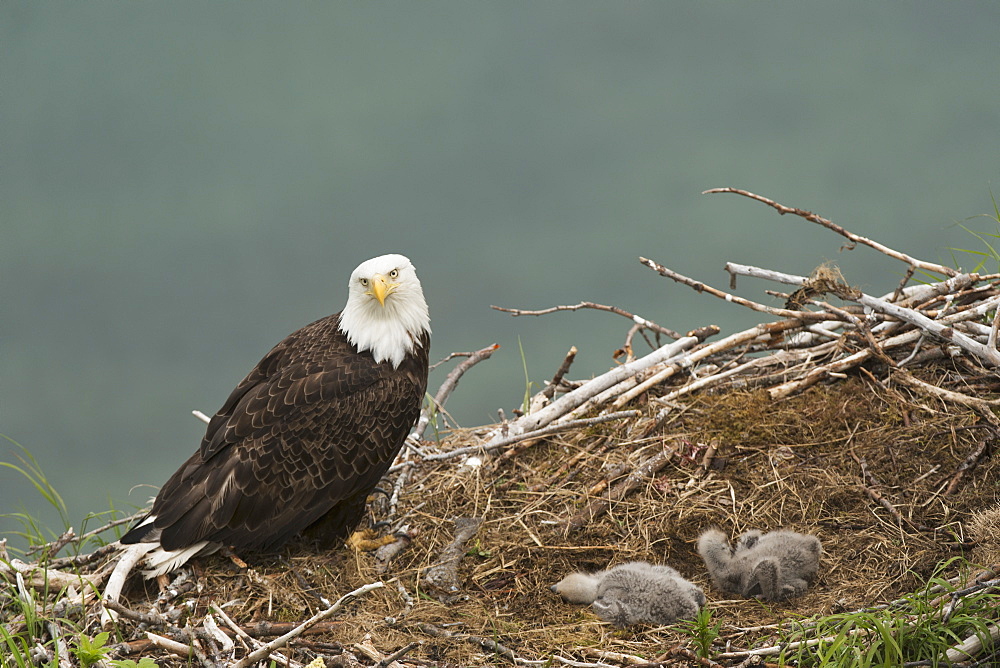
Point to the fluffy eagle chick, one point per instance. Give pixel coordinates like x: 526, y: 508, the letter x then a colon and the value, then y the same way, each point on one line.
x: 303, y: 439
x: 771, y: 566
x: 634, y: 593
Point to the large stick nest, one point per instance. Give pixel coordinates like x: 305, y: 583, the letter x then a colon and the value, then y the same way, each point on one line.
x: 821, y: 423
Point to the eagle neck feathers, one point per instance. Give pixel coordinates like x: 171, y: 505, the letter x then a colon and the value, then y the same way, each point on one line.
x: 390, y: 332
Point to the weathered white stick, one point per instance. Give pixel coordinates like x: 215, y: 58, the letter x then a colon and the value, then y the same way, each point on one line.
x: 971, y: 646
x: 775, y: 358
x: 985, y: 353
x: 447, y: 387
x: 494, y: 444
x: 571, y: 400
x: 696, y: 356
x: 817, y: 374
x: 991, y: 342
x: 130, y: 556
x: 844, y: 363
x: 735, y: 269
x: 172, y: 646
x: 933, y: 326
x: 46, y: 578
x: 945, y: 395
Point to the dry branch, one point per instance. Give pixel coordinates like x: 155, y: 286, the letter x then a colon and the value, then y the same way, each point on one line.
x: 496, y: 444
x: 577, y: 397
x: 972, y: 646
x: 448, y: 386
x: 970, y: 462
x: 830, y: 225
x: 265, y: 651
x: 698, y: 286
x: 870, y: 483
x: 638, y: 320
x: 641, y: 475
x: 442, y: 577
x: 550, y: 389
x: 39, y: 577
x: 934, y: 327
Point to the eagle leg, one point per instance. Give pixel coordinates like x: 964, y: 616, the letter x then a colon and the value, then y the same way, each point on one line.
x: 336, y: 525
x: 233, y: 557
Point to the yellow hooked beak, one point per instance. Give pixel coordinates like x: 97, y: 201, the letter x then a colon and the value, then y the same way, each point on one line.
x: 382, y: 288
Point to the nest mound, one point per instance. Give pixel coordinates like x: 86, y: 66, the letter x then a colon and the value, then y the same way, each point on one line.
x: 735, y: 459
x: 872, y: 429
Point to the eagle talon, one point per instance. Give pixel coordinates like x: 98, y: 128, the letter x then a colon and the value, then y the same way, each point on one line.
x: 368, y: 540
x: 233, y: 557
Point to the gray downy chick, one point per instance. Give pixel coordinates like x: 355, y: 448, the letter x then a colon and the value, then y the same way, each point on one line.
x: 634, y: 593
x: 771, y: 566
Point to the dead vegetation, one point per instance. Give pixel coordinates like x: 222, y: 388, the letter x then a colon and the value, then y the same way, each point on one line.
x: 869, y: 428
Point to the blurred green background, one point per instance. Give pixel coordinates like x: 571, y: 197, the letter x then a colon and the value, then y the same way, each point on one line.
x: 182, y: 184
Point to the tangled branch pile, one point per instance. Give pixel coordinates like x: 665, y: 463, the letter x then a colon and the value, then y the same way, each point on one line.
x: 866, y: 422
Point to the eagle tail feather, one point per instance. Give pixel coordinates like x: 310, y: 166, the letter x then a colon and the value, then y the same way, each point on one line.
x: 161, y: 561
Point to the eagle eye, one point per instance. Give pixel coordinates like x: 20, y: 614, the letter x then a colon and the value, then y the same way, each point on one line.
x: 394, y: 273
x: 364, y: 282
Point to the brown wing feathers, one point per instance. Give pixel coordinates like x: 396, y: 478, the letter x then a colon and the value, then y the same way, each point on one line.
x: 304, y: 436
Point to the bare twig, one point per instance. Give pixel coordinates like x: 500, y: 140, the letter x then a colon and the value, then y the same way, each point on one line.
x: 870, y: 482
x: 549, y: 391
x: 448, y: 386
x: 573, y: 399
x: 702, y: 287
x: 763, y: 330
x: 639, y: 320
x: 494, y: 647
x: 85, y: 559
x: 71, y: 537
x: 942, y: 330
x: 982, y: 406
x: 967, y: 465
x: 266, y: 650
x: 172, y: 646
x: 153, y: 619
x: 991, y: 342
x: 39, y: 577
x: 830, y: 225
x: 55, y: 546
x: 511, y: 440
x: 990, y: 355
x: 398, y: 654
x: 640, y: 475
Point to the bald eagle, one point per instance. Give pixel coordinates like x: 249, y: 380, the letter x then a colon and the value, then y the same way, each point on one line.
x: 304, y: 438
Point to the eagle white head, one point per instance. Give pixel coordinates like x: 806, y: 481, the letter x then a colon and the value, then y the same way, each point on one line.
x: 385, y: 311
